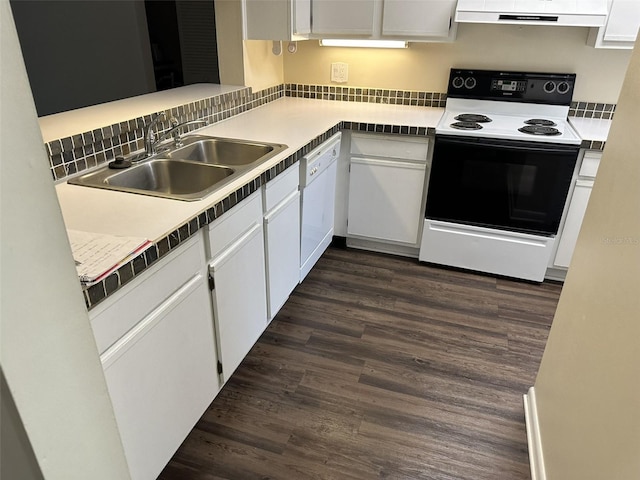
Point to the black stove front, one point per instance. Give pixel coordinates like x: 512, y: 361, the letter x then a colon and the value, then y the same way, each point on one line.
x: 503, y: 184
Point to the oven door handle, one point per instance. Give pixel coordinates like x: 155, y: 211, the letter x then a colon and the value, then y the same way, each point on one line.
x: 507, y: 144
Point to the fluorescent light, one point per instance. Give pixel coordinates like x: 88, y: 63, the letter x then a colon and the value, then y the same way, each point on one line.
x: 330, y: 42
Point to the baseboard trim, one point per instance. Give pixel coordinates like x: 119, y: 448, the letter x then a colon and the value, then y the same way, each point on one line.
x: 382, y: 247
x: 536, y: 459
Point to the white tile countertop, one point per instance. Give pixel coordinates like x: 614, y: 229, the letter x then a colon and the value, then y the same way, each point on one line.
x: 591, y: 129
x: 291, y: 121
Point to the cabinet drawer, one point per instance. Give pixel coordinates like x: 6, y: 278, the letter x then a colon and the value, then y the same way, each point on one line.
x: 409, y: 148
x: 123, y: 310
x: 590, y: 163
x: 226, y: 229
x: 278, y: 189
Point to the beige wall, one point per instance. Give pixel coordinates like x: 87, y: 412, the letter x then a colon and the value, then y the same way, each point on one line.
x: 262, y: 69
x: 251, y: 62
x: 425, y: 66
x: 588, y: 386
x: 229, y: 39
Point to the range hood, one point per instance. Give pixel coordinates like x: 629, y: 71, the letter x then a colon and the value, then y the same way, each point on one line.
x: 575, y: 13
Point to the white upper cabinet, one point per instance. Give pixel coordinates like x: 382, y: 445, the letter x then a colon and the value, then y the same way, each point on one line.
x: 277, y: 19
x: 621, y: 28
x: 417, y: 18
x: 413, y: 20
x: 346, y: 17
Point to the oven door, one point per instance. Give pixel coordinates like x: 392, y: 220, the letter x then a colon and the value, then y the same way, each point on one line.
x: 503, y: 184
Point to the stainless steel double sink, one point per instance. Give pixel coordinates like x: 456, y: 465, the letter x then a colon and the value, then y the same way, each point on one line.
x: 200, y: 166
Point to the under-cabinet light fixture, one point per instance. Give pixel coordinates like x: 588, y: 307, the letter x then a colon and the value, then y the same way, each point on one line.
x: 331, y: 42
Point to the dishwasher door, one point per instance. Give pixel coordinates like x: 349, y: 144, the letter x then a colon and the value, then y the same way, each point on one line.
x: 318, y: 189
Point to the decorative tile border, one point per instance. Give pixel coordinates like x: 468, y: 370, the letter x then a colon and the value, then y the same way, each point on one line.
x: 366, y: 95
x: 393, y: 129
x: 592, y: 110
x: 95, y: 294
x: 70, y: 155
x: 417, y: 98
x: 592, y: 145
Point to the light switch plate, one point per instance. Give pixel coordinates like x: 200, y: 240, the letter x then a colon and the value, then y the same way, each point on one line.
x: 339, y: 72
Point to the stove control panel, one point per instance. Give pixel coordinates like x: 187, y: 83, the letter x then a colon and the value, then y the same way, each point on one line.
x: 508, y: 85
x: 526, y: 87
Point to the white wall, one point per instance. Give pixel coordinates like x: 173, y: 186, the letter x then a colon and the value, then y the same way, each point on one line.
x: 588, y: 386
x: 47, y: 352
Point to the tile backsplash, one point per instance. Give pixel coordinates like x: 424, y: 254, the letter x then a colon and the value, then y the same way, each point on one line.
x: 366, y: 95
x: 82, y: 151
x: 70, y: 155
x: 592, y: 110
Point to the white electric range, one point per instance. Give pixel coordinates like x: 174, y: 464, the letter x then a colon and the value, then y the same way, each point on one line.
x: 503, y: 162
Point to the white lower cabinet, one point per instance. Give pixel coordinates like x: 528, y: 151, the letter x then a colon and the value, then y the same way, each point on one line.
x: 159, y: 357
x: 386, y: 191
x: 384, y: 199
x: 573, y: 222
x: 281, y: 201
x: 237, y: 271
x: 579, y: 199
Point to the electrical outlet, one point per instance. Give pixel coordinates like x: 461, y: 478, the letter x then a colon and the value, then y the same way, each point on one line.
x: 339, y: 72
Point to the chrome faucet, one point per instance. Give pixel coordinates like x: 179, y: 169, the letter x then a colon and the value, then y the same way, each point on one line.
x: 175, y: 131
x: 150, y: 141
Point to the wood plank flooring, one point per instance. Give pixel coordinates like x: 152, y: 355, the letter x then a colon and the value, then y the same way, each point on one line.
x: 379, y: 367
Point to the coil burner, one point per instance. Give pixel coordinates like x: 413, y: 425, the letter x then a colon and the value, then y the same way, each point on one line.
x: 473, y: 117
x: 540, y: 122
x: 466, y: 125
x: 539, y: 130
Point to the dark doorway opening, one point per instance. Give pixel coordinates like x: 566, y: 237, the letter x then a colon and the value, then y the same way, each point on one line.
x: 182, y: 35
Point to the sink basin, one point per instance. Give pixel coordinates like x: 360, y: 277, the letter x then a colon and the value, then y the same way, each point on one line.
x: 198, y: 168
x: 170, y: 177
x: 221, y: 151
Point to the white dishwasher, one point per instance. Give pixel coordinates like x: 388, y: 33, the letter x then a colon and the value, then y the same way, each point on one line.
x: 318, y: 190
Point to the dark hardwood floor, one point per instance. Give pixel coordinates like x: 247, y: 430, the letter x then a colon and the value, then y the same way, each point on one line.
x: 380, y: 367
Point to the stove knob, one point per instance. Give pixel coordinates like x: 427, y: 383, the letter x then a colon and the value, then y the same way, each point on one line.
x: 563, y: 87
x: 549, y: 87
x: 470, y: 83
x: 457, y: 82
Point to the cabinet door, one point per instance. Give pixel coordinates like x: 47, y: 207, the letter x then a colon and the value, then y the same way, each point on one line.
x: 349, y: 17
x: 573, y: 222
x: 419, y: 18
x: 282, y: 234
x: 239, y: 297
x: 623, y: 21
x: 277, y: 19
x: 162, y: 377
x: 385, y: 199
x: 301, y: 16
